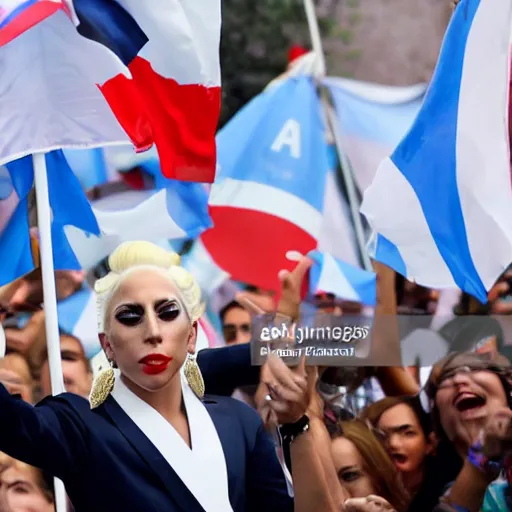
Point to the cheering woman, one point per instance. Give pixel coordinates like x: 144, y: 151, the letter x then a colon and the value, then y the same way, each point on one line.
x: 148, y: 440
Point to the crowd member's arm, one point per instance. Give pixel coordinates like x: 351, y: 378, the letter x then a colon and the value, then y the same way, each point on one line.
x: 483, y: 464
x: 291, y: 397
x: 394, y: 380
x: 323, y: 445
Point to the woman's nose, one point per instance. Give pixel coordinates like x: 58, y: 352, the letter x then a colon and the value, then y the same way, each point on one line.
x: 153, y: 329
x: 393, y: 441
x: 461, y: 378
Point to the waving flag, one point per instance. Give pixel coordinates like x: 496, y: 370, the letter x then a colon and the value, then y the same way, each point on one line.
x: 330, y: 275
x: 78, y: 317
x: 269, y: 194
x: 178, y: 211
x: 155, y: 63
x: 83, y: 235
x: 15, y: 250
x: 441, y: 205
x: 373, y: 119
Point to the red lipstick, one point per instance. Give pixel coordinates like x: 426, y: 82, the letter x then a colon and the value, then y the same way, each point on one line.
x: 153, y: 364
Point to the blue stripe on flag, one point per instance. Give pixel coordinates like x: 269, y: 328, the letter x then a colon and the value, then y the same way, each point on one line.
x: 22, y: 7
x: 70, y: 310
x: 15, y: 249
x: 387, y: 252
x: 330, y: 275
x: 272, y: 142
x: 108, y: 23
x: 69, y: 207
x: 427, y: 156
x: 88, y: 165
x: 187, y: 204
x: 367, y: 120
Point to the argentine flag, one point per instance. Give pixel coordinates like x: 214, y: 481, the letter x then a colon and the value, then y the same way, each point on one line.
x: 441, y: 205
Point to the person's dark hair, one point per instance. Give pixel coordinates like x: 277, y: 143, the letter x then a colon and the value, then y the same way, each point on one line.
x: 228, y: 307
x: 373, y: 412
x: 47, y: 486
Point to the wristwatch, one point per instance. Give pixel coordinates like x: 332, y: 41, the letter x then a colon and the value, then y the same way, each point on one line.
x: 291, y: 431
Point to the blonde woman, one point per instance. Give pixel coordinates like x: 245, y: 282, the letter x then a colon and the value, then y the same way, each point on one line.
x: 148, y: 440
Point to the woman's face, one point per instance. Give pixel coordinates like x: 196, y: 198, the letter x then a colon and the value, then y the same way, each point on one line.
x: 350, y: 468
x: 405, y: 440
x: 22, y: 490
x: 149, y: 332
x: 465, y: 401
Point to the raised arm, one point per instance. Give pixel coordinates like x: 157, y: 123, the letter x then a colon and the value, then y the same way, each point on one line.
x: 49, y: 436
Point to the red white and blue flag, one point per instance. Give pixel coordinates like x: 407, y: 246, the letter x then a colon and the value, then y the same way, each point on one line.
x: 155, y: 63
x: 268, y: 197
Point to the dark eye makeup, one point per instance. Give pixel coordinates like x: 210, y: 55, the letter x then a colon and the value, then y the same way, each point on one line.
x: 130, y: 315
x: 167, y: 310
x: 133, y: 314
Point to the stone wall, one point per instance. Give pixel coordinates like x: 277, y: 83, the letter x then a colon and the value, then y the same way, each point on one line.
x: 393, y: 42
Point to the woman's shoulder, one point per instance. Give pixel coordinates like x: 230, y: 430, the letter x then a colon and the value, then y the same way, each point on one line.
x: 237, y: 410
x: 68, y: 404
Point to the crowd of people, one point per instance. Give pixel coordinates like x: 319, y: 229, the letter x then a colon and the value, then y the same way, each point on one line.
x: 289, y: 438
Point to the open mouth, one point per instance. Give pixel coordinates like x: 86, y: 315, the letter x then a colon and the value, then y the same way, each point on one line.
x: 467, y: 401
x: 399, y: 458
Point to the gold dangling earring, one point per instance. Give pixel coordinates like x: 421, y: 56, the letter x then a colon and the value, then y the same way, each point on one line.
x: 102, y: 386
x: 193, y: 376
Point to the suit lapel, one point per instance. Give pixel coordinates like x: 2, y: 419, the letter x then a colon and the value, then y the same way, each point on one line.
x: 229, y: 437
x: 180, y: 493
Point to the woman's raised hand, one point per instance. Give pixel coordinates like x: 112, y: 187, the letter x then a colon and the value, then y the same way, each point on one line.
x: 369, y: 504
x: 497, y: 434
x: 291, y: 285
x: 289, y: 395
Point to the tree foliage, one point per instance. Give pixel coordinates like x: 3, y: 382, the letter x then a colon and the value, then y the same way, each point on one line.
x: 256, y: 38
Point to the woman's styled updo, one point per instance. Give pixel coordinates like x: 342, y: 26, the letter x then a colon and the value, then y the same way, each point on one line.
x: 134, y: 256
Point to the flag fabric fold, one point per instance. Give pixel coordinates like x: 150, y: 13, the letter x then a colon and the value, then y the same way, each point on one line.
x: 15, y: 250
x: 441, y: 205
x: 330, y: 275
x: 78, y: 317
x: 173, y: 210
x: 119, y: 71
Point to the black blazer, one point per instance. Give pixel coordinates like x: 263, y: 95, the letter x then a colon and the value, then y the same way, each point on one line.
x: 107, y: 464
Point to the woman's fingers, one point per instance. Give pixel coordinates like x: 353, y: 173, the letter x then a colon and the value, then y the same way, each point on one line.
x: 369, y: 504
x: 248, y: 304
x: 283, y: 376
x: 283, y: 394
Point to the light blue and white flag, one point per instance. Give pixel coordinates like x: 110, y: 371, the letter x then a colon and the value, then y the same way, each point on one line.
x: 77, y: 316
x: 441, y: 205
x: 330, y: 275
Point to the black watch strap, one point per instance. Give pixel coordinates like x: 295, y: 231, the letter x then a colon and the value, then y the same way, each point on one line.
x: 291, y: 431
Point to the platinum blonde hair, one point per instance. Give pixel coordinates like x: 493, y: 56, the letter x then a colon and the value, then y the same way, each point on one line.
x: 134, y: 256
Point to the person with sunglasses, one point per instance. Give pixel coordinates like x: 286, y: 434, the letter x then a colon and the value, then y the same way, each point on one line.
x: 236, y: 323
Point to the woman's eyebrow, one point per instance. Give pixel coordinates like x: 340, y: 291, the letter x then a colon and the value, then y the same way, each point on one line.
x: 161, y: 302
x: 128, y: 305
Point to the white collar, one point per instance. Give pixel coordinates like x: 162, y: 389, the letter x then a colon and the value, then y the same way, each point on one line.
x: 203, y: 468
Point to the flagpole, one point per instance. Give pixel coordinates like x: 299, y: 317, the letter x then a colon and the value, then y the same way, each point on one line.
x: 332, y: 124
x: 49, y: 295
